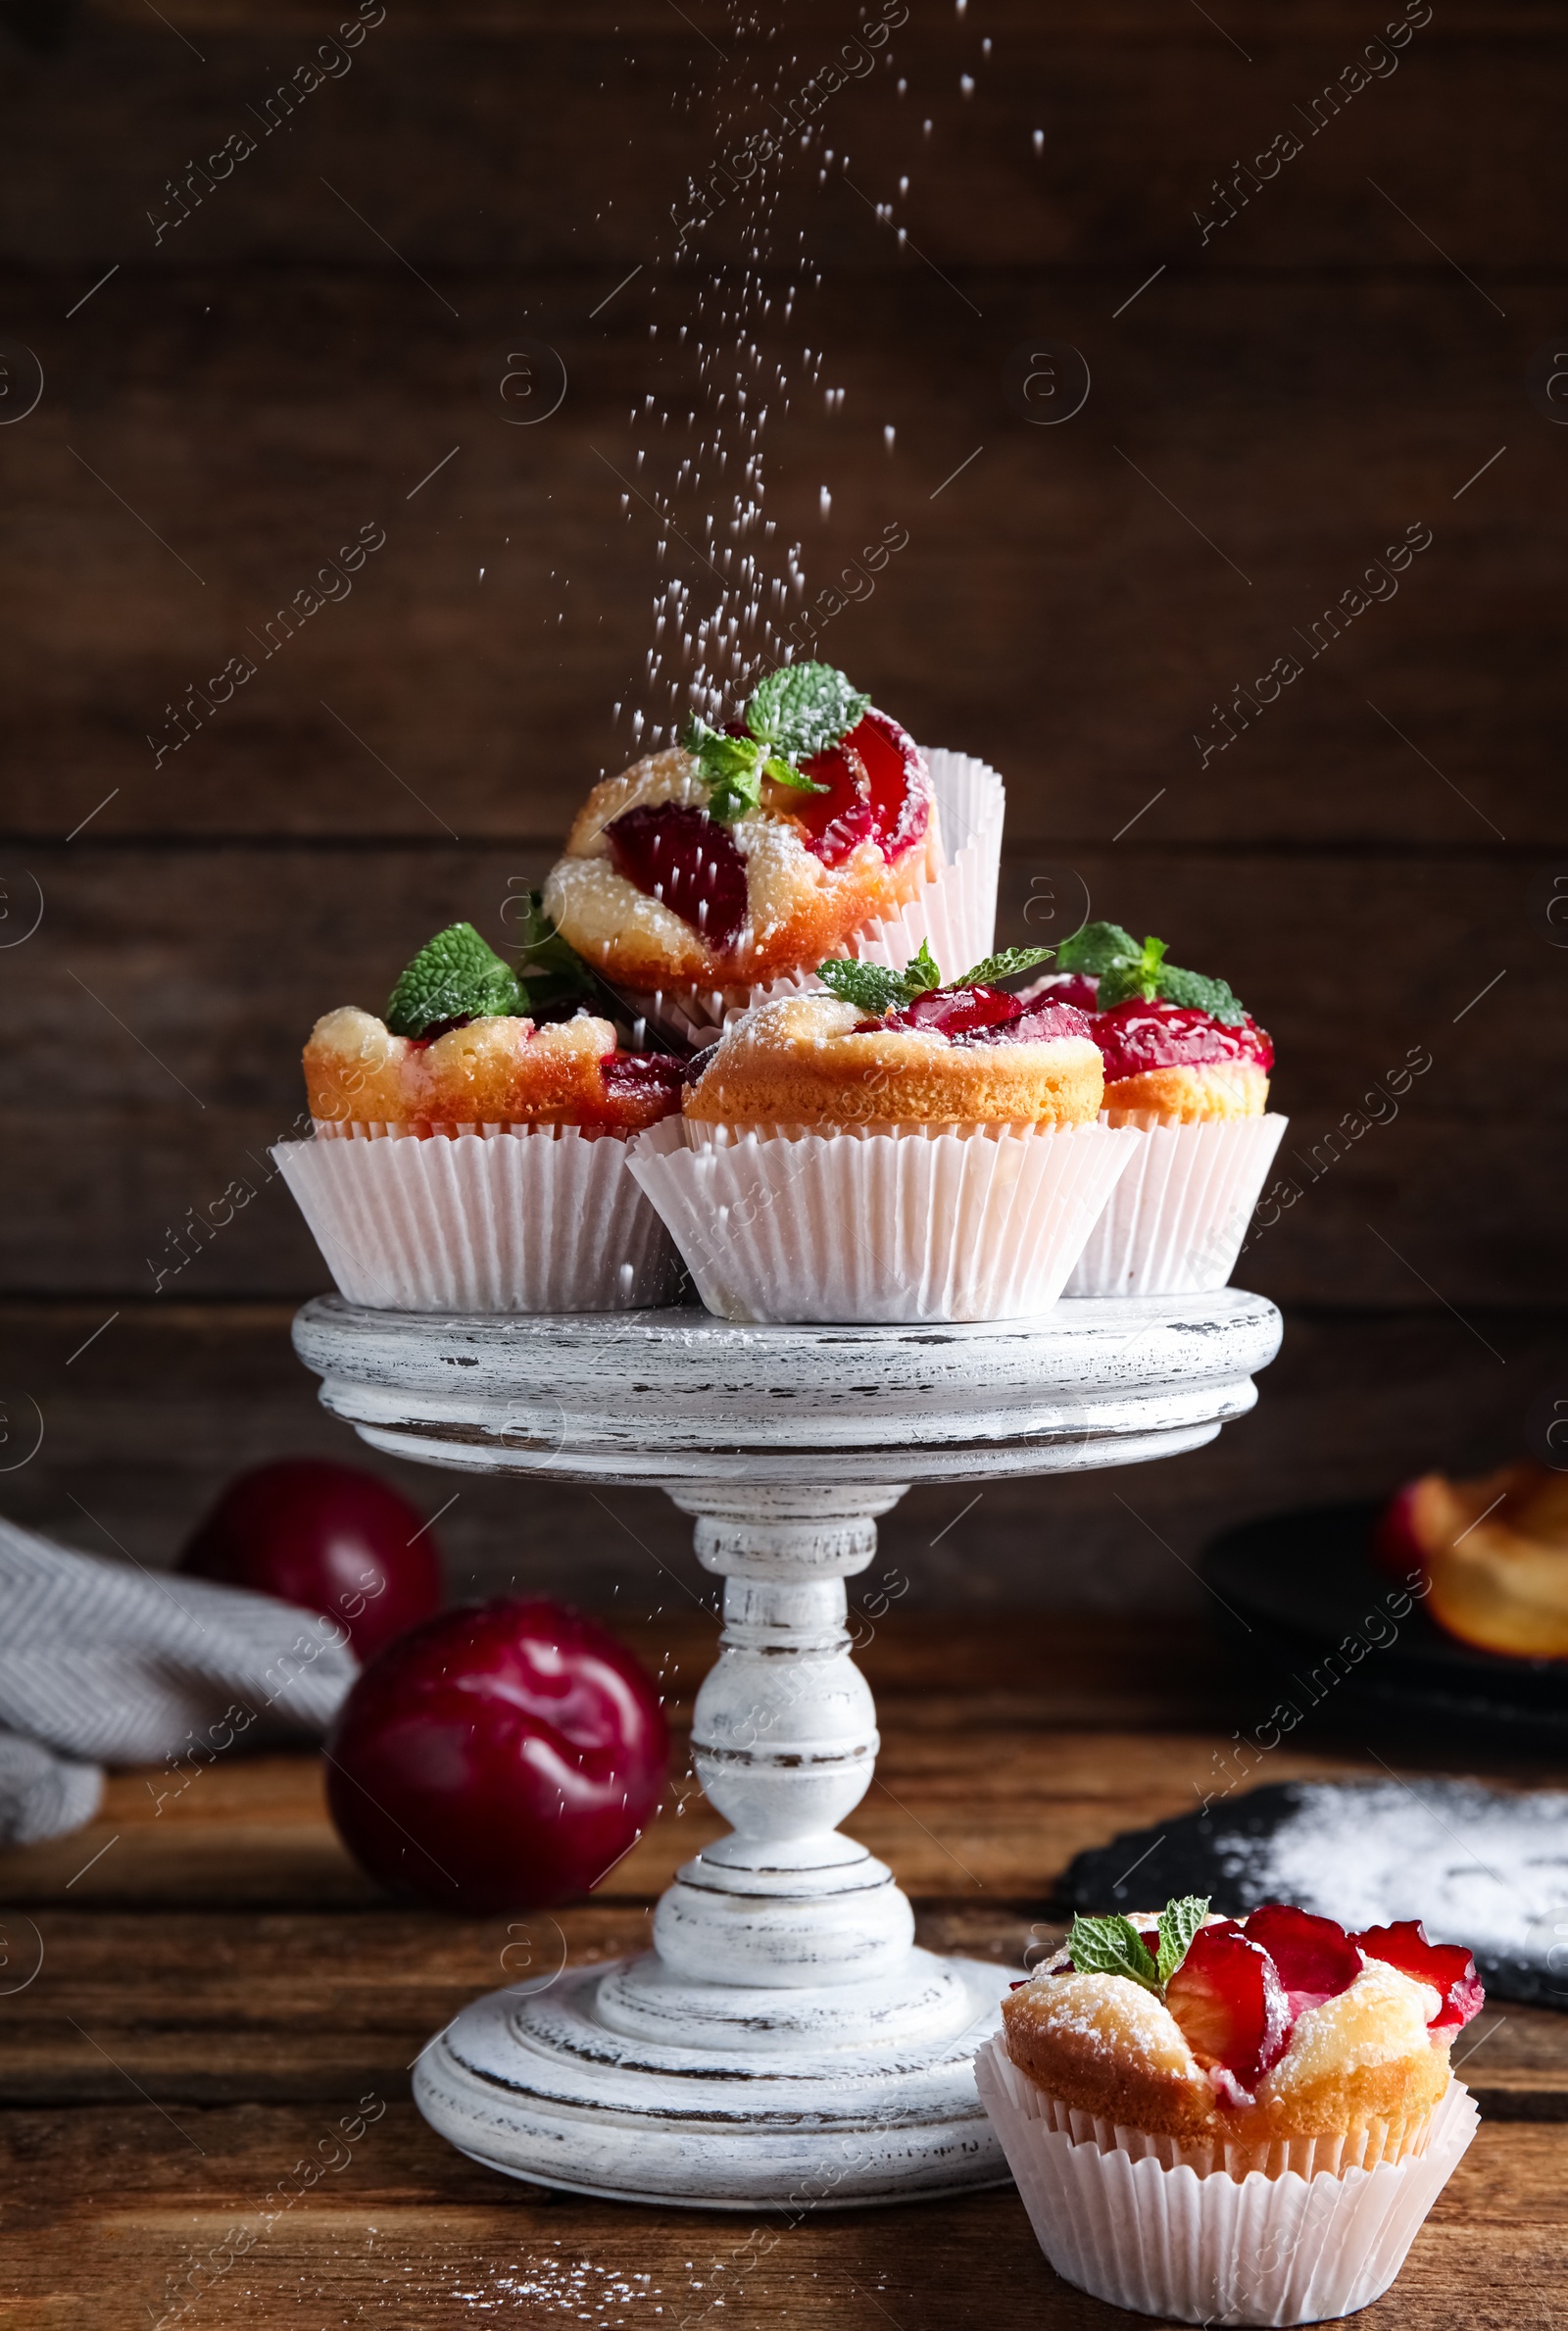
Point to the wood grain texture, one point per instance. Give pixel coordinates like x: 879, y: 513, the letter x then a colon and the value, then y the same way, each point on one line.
x: 269, y: 377
x: 123, y: 2209
x: 216, y: 2041
x: 258, y: 420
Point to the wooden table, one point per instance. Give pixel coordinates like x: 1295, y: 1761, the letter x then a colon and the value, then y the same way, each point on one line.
x: 224, y: 2007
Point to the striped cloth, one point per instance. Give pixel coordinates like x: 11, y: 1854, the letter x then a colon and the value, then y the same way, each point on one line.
x: 102, y: 1663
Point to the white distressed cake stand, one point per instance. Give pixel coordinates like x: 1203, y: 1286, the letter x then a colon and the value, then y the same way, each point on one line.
x: 784, y: 2043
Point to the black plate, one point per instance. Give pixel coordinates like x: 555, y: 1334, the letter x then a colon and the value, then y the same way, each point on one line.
x: 1307, y: 1587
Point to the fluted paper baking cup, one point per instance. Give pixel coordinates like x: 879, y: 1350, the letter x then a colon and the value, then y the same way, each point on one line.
x: 481, y: 1218
x: 896, y: 1225
x: 953, y: 913
x: 1358, y: 2148
x: 1286, y: 2248
x: 1175, y: 1222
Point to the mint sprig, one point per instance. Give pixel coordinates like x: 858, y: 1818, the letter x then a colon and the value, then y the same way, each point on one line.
x: 550, y: 972
x: 1131, y: 975
x: 1096, y: 949
x: 1200, y: 993
x: 1114, y: 1947
x: 1111, y: 1947
x: 1127, y: 972
x: 874, y: 988
x: 796, y: 712
x: 456, y: 975
x: 802, y: 709
x: 1006, y: 965
x: 1179, y: 1921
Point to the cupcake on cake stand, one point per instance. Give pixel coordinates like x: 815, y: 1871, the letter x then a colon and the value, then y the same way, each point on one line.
x: 784, y: 2043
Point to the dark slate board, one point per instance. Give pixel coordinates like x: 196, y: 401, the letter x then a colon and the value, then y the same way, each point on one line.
x: 1198, y: 1853
x: 1301, y: 1588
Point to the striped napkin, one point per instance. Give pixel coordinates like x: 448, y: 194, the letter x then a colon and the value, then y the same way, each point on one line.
x: 103, y: 1663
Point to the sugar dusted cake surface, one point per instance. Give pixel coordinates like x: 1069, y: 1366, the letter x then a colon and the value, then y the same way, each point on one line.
x: 813, y: 1060
x: 492, y: 1071
x: 798, y: 909
x: 1109, y: 2048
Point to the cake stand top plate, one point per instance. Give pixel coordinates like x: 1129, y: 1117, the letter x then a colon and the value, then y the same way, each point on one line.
x: 669, y: 1395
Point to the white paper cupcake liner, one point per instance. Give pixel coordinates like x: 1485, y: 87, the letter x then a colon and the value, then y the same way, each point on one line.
x: 896, y: 1225
x: 1160, y: 2240
x: 1360, y: 2148
x: 1177, y: 1217
x: 481, y: 1218
x: 954, y: 914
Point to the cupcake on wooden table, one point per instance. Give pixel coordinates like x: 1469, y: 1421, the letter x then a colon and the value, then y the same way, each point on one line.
x: 1187, y: 1068
x: 719, y: 869
x: 468, y: 1156
x: 898, y: 1148
x: 1228, y: 2122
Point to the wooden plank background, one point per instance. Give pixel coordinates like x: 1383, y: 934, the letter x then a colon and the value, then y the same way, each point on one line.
x: 1369, y: 861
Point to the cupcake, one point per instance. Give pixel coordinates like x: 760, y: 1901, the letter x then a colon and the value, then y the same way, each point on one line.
x: 1233, y: 2123
x: 467, y: 1157
x: 895, y: 1148
x: 1186, y: 1067
x: 706, y: 875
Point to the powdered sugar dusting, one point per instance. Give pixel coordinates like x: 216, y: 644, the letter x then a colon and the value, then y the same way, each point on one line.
x: 1474, y: 1865
x: 574, y: 2287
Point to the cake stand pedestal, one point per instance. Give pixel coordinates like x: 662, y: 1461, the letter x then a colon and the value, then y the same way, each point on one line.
x: 784, y: 2044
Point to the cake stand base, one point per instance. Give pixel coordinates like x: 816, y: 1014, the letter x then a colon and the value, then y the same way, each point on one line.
x: 815, y: 2102
x: 784, y: 2046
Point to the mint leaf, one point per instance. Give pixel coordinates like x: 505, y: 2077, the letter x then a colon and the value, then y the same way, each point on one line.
x: 804, y: 708
x: 730, y: 767
x: 1096, y: 949
x: 870, y: 987
x: 1004, y: 966
x: 1201, y: 994
x: 920, y: 974
x: 783, y: 774
x: 1111, y: 1947
x: 1179, y: 1921
x: 552, y: 972
x: 877, y: 989
x: 1139, y: 976
x: 456, y: 975
x: 1125, y: 971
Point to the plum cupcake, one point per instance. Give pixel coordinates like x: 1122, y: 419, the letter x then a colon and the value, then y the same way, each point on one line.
x: 1188, y: 1068
x: 724, y: 869
x: 1233, y: 2122
x: 895, y: 1149
x: 468, y: 1158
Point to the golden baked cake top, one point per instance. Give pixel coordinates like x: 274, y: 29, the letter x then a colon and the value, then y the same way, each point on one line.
x: 1280, y: 2026
x: 900, y: 1047
x: 1176, y: 1043
x: 458, y: 1046
x: 748, y: 853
